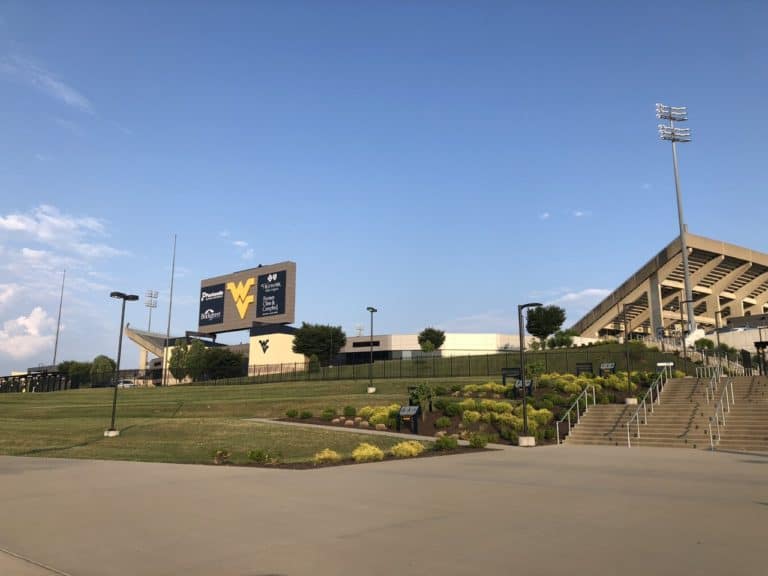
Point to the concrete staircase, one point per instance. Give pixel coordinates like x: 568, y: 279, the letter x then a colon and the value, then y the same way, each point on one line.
x: 747, y: 423
x: 680, y: 421
x: 602, y: 425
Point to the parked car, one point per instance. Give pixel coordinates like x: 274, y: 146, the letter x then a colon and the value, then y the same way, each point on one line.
x: 125, y: 384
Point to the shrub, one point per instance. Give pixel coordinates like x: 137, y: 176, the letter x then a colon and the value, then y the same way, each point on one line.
x: 305, y: 414
x: 407, y: 449
x: 452, y: 409
x: 478, y: 440
x: 509, y: 434
x: 367, y: 453
x: 259, y: 456
x: 328, y: 414
x: 365, y: 412
x: 327, y: 456
x: 350, y: 412
x: 467, y: 404
x: 470, y: 416
x: 221, y: 457
x: 440, y: 404
x: 544, y: 403
x: 456, y: 387
x: 440, y: 391
x: 292, y: 413
x: 445, y: 443
x: 443, y: 422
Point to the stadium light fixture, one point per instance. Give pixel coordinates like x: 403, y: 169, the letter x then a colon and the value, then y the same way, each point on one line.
x: 674, y: 135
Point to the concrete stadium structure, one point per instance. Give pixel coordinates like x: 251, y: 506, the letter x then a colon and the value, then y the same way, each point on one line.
x: 726, y: 280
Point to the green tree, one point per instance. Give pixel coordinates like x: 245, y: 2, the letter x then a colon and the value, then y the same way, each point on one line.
x: 102, y: 370
x: 195, y: 360
x: 704, y: 344
x: 177, y: 365
x: 221, y: 362
x: 561, y: 339
x: 543, y: 321
x: 430, y: 339
x: 78, y: 373
x: 319, y: 340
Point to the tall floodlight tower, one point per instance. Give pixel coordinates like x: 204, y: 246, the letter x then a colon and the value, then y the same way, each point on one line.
x: 150, y: 301
x: 674, y: 134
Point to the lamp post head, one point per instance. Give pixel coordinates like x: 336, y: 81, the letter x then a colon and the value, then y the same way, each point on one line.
x: 123, y: 296
x: 530, y: 305
x: 371, y: 309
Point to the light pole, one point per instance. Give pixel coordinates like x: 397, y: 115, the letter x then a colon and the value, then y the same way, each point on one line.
x: 372, y: 310
x: 626, y: 344
x: 682, y: 328
x: 521, y: 330
x: 674, y: 135
x: 129, y: 298
x: 150, y: 301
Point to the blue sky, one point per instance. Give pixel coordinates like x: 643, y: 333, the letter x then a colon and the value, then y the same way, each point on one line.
x: 442, y: 161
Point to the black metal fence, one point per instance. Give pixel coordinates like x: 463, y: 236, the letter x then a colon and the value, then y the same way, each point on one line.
x: 489, y: 365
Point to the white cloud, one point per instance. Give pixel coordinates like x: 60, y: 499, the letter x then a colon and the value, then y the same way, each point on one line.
x: 581, y: 213
x: 488, y: 321
x: 248, y: 254
x: 240, y: 243
x: 588, y: 295
x: 26, y: 336
x: 44, y: 80
x: 544, y: 216
x: 7, y: 291
x: 47, y: 225
x: 224, y: 234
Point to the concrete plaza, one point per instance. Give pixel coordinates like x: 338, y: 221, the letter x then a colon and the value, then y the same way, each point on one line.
x: 579, y: 510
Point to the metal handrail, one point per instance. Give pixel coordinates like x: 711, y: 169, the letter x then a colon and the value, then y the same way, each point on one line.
x: 576, y: 404
x: 657, y: 385
x: 720, y: 409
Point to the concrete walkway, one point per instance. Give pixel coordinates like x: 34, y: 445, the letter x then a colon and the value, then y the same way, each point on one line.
x: 361, y: 431
x: 582, y: 510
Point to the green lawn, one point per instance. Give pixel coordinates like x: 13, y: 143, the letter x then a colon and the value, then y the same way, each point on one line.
x: 186, y: 424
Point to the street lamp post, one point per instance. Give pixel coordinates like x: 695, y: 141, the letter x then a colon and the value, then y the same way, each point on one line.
x: 521, y: 330
x: 626, y: 345
x: 125, y: 298
x: 674, y: 135
x: 717, y: 335
x: 682, y: 328
x: 372, y: 310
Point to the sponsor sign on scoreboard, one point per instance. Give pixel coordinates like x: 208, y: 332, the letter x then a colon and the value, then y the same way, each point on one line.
x: 266, y: 294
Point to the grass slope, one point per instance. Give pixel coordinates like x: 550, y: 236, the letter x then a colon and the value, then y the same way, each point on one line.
x: 185, y: 424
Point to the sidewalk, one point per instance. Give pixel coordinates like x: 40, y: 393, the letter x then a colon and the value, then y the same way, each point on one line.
x: 368, y: 431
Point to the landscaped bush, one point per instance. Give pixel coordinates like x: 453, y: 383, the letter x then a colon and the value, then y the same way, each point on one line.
x: 470, y: 416
x: 441, y: 391
x: 443, y: 422
x: 367, y: 453
x: 305, y: 414
x: 407, y: 449
x: 350, y: 411
x: 440, y: 404
x: 467, y: 404
x: 445, y: 443
x: 292, y: 413
x: 456, y: 387
x: 327, y: 456
x: 382, y: 414
x: 328, y: 414
x: 452, y: 409
x: 221, y: 457
x: 260, y: 456
x: 478, y: 440
x: 365, y: 412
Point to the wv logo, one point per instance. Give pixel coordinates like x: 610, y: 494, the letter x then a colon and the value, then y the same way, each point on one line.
x: 264, y: 345
x: 240, y: 294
